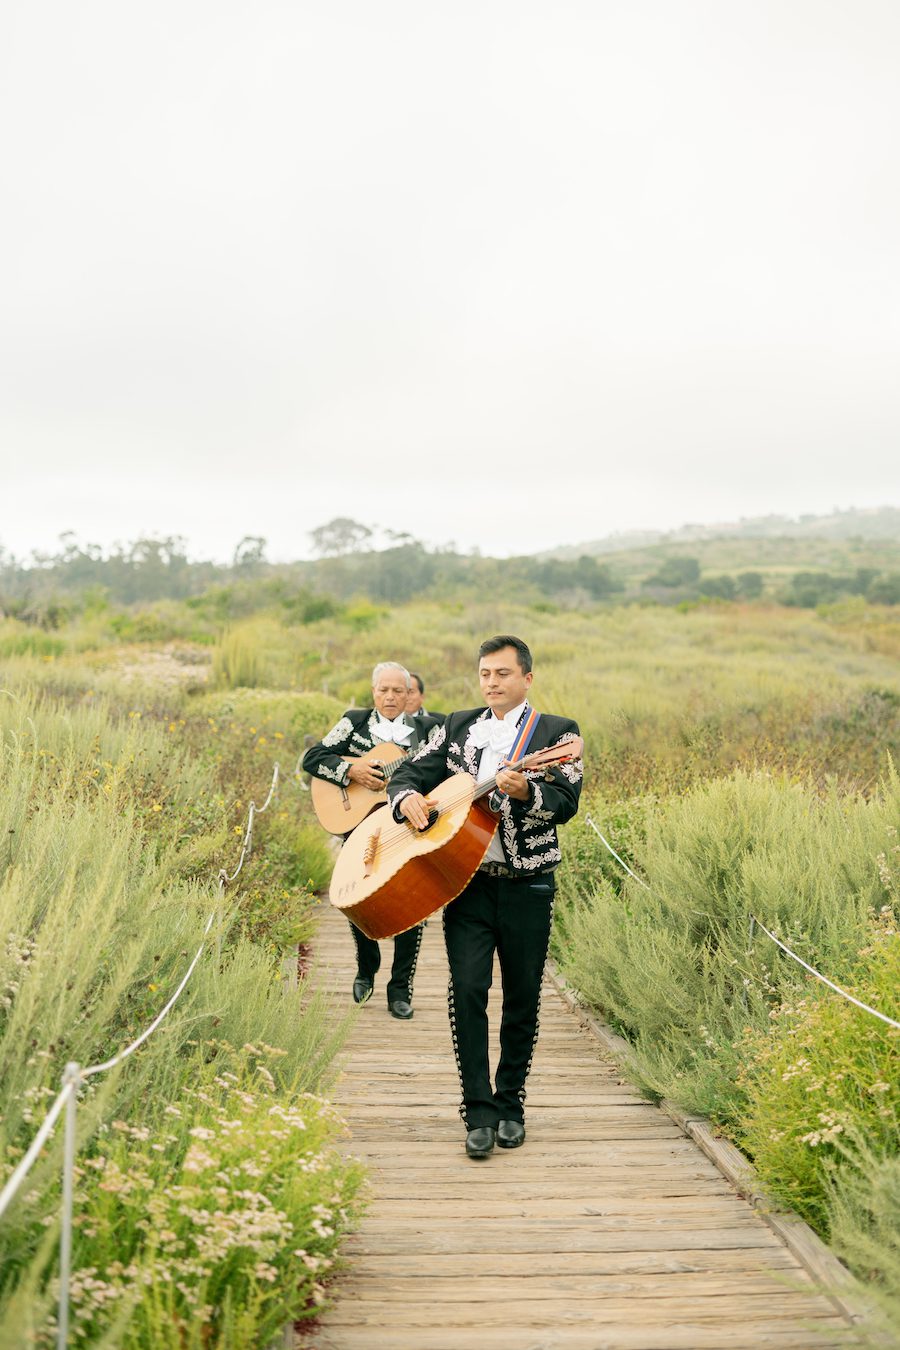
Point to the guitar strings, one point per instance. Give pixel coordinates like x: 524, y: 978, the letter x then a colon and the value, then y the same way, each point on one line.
x: 397, y: 834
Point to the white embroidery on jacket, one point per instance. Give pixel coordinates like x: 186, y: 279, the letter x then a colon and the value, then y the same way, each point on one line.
x: 536, y: 840
x: 436, y: 737
x: 338, y: 775
x: 536, y: 814
x: 338, y: 733
x: 574, y: 769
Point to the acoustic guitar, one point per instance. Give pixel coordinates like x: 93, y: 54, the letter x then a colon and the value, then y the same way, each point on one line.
x: 340, y: 809
x: 388, y: 876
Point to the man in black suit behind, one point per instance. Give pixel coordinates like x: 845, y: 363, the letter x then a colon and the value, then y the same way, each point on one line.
x: 415, y: 706
x: 507, y: 907
x: 335, y: 759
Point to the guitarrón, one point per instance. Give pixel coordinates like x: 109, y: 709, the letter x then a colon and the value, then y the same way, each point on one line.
x: 389, y: 876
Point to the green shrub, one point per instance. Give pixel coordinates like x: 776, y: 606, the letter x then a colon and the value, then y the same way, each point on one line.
x: 672, y: 965
x: 236, y: 661
x: 864, y: 1219
x: 824, y: 1073
x: 294, y: 714
x: 362, y: 615
x: 19, y: 639
x: 211, y: 1222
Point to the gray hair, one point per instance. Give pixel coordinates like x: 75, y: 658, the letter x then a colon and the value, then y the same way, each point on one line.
x: 389, y: 665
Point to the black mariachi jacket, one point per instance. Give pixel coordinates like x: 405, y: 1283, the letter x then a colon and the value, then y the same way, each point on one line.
x: 352, y: 735
x: 527, y: 829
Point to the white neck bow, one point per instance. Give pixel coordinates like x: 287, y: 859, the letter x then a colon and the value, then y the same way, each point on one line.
x: 494, y: 733
x: 396, y: 731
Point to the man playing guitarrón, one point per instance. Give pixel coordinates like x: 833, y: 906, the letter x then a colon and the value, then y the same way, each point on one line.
x: 507, y: 907
x: 361, y: 729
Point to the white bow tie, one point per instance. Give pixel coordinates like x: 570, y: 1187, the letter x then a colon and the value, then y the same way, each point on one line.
x: 398, y: 731
x: 493, y: 732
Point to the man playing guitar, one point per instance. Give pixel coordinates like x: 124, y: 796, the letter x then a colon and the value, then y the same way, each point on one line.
x: 332, y: 759
x: 507, y: 907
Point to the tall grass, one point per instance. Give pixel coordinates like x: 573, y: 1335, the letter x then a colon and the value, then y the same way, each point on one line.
x: 722, y: 1022
x: 236, y: 660
x: 668, y: 961
x: 99, y: 922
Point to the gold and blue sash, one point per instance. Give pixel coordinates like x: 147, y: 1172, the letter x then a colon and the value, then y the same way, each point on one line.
x: 517, y: 751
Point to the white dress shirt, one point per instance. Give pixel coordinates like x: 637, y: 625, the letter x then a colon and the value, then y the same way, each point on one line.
x: 490, y: 762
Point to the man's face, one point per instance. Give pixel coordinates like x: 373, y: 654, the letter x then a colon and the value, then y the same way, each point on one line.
x: 389, y: 694
x: 504, y: 685
x: 413, y: 699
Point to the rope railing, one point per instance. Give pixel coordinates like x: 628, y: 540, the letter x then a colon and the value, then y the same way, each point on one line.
x: 589, y: 820
x: 819, y: 976
x: 74, y: 1076
x: 247, y: 847
x: 757, y: 923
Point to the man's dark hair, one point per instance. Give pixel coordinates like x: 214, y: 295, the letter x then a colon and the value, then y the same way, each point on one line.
x: 496, y: 644
x: 419, y: 681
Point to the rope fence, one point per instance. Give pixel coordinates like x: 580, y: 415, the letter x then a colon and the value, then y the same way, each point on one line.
x: 590, y: 821
x: 74, y: 1075
x: 757, y: 923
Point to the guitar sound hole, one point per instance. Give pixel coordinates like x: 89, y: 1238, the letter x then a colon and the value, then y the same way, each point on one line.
x: 432, y: 820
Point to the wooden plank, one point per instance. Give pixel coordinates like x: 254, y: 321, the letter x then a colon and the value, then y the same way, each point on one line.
x: 435, y: 1265
x: 725, y: 1309
x: 689, y: 1335
x: 543, y: 1288
x: 541, y: 1239
x: 708, y: 1208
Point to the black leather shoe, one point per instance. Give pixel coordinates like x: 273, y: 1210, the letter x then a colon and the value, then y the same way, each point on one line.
x: 362, y: 989
x: 400, y: 1008
x: 480, y: 1142
x: 510, y: 1133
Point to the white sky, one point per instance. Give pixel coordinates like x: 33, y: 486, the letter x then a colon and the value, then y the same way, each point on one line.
x: 507, y: 274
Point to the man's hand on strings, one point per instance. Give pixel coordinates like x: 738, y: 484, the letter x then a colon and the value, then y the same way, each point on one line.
x: 416, y: 809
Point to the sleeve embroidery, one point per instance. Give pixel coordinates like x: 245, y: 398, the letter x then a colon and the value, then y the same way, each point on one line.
x: 339, y: 733
x: 395, y: 807
x: 436, y: 738
x: 338, y: 775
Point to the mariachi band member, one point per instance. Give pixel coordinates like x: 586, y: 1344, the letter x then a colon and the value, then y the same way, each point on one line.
x: 414, y: 704
x: 361, y: 729
x: 507, y: 907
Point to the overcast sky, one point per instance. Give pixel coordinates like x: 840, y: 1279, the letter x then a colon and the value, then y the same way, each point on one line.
x: 510, y: 274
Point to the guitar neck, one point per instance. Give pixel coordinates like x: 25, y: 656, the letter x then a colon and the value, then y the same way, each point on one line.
x: 538, y: 759
x: 390, y: 769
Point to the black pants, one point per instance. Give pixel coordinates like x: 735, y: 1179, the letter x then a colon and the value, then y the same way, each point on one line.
x: 403, y: 970
x: 512, y: 917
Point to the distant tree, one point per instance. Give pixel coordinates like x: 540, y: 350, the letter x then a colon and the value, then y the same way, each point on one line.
x: 718, y: 588
x: 595, y: 578
x: 749, y: 585
x: 886, y: 590
x: 676, y: 572
x: 250, y: 554
x: 396, y: 574
x: 808, y: 589
x: 862, y: 580
x: 340, y: 536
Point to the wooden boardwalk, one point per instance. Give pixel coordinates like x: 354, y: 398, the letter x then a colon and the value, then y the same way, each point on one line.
x: 608, y: 1230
